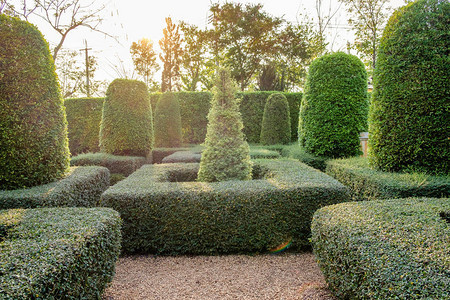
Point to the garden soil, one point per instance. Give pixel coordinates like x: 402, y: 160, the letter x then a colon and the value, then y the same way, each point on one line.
x: 277, y: 276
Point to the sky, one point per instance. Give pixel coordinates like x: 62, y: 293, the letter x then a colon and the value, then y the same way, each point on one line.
x: 131, y: 20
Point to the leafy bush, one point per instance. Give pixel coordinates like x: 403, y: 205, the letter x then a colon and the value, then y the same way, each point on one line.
x: 82, y: 186
x: 334, y: 107
x: 276, y: 122
x: 164, y: 214
x: 83, y: 119
x: 124, y: 165
x: 298, y: 152
x: 33, y: 127
x: 126, y: 127
x: 366, y: 183
x: 167, y: 122
x: 226, y: 155
x: 389, y: 249
x: 182, y: 157
x: 410, y: 111
x: 54, y: 253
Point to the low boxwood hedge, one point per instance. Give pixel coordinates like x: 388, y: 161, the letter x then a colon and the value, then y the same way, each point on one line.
x: 182, y: 157
x: 366, y: 183
x: 58, y: 253
x: 159, y: 153
x: 298, y: 152
x: 83, y: 186
x: 263, y: 153
x: 164, y: 214
x: 384, y: 249
x: 116, y: 164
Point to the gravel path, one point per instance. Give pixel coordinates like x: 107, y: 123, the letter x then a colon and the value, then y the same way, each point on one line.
x: 281, y: 276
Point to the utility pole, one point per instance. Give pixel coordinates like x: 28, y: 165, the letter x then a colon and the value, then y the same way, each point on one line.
x: 88, y: 92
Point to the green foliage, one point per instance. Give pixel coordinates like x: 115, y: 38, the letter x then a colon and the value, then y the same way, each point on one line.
x: 158, y: 154
x: 276, y: 122
x: 171, y: 56
x: 263, y: 153
x: 334, y: 107
x: 83, y: 118
x: 369, y: 184
x: 82, y: 186
x: 163, y: 214
x: 389, y: 249
x: 54, y: 253
x: 144, y: 60
x: 124, y: 165
x: 409, y: 117
x: 182, y: 157
x: 126, y: 127
x: 298, y: 152
x: 167, y: 122
x: 33, y: 128
x: 226, y: 156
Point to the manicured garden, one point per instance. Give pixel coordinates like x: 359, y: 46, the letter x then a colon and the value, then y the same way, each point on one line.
x: 227, y: 172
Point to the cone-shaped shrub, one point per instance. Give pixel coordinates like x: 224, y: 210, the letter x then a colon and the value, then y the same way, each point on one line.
x: 226, y: 156
x: 33, y: 128
x: 334, y: 106
x: 127, y: 123
x: 276, y: 122
x: 168, y: 122
x: 410, y: 111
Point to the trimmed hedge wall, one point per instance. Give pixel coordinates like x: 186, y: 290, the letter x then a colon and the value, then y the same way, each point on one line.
x: 298, y: 152
x: 33, y: 128
x: 366, y: 183
x: 389, y: 249
x: 410, y: 111
x: 124, y: 165
x: 83, y: 118
x: 53, y: 253
x: 182, y: 157
x: 167, y: 217
x: 82, y: 186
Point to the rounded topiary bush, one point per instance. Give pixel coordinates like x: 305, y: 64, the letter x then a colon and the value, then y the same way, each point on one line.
x: 33, y: 128
x: 276, y: 122
x: 409, y: 116
x: 168, y: 122
x: 126, y: 127
x: 227, y: 154
x: 334, y: 107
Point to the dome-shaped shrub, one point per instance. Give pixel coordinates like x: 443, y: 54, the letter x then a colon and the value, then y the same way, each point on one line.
x: 33, y: 128
x: 126, y: 127
x: 276, y: 122
x: 168, y: 121
x: 410, y: 112
x: 334, y: 106
x: 227, y: 154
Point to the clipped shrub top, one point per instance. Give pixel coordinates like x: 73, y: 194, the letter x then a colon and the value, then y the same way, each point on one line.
x: 124, y: 165
x: 389, y: 249
x: 334, y: 106
x: 33, y: 127
x: 410, y: 104
x: 226, y: 155
x: 126, y: 127
x: 276, y: 122
x: 168, y: 121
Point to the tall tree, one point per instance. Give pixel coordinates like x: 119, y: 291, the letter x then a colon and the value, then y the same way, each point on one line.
x: 368, y: 18
x: 144, y: 60
x: 171, y: 56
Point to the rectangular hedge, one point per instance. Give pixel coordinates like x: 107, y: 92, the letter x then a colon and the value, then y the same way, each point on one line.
x: 83, y: 119
x: 158, y: 154
x: 124, y: 165
x: 297, y: 152
x: 368, y: 184
x: 83, y: 186
x: 164, y: 214
x: 384, y: 249
x: 57, y: 253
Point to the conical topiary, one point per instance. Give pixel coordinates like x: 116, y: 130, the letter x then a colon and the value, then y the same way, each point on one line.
x: 226, y: 156
x: 168, y: 121
x: 276, y: 122
x: 33, y: 128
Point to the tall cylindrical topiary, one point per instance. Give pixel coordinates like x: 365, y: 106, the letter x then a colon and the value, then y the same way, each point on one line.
x: 410, y: 112
x: 168, y: 121
x: 126, y: 127
x: 33, y: 128
x: 226, y: 156
x: 334, y: 106
x: 276, y: 122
